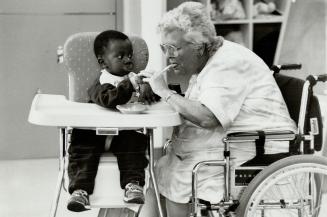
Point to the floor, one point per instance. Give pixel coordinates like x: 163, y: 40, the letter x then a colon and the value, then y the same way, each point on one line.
x: 27, y: 187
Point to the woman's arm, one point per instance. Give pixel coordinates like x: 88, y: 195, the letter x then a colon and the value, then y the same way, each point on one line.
x: 192, y: 110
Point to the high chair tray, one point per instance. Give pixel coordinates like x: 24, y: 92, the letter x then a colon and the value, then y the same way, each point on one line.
x: 56, y: 110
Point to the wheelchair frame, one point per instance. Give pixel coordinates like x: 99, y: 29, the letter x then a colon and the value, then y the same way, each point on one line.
x: 228, y: 203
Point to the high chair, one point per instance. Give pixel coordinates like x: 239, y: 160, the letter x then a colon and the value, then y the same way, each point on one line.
x: 55, y: 110
x: 82, y: 68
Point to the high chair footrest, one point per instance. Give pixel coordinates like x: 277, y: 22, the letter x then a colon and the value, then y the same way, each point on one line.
x: 115, y: 201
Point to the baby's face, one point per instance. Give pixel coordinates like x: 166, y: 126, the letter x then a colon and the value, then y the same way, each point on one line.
x: 118, y: 57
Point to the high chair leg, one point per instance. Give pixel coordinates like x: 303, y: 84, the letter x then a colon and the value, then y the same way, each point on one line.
x: 60, y: 180
x: 55, y: 202
x: 151, y: 170
x: 103, y: 212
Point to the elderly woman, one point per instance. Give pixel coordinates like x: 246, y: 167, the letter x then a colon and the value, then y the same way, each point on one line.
x: 230, y: 89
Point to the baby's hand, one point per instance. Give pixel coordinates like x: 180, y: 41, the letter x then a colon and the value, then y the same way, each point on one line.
x: 146, y: 94
x: 135, y: 79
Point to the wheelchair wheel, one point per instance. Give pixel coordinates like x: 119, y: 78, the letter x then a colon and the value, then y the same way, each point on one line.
x: 293, y: 186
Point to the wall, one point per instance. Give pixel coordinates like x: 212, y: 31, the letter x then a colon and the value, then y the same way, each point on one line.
x: 141, y: 18
x: 31, y: 31
x: 305, y: 39
x: 132, y: 17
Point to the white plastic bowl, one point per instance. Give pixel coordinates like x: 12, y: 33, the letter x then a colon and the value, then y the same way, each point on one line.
x: 132, y: 108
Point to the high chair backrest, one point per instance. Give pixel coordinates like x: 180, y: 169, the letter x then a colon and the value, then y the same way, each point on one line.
x: 82, y: 65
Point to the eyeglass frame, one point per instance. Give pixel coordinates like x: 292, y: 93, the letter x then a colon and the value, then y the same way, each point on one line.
x: 174, y: 52
x: 170, y: 50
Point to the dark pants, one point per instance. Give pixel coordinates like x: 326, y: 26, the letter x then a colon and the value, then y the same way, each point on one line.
x: 86, y: 148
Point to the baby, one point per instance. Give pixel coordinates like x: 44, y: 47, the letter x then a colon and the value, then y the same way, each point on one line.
x: 116, y: 85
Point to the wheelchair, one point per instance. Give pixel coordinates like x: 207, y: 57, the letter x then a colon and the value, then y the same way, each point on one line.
x: 283, y: 184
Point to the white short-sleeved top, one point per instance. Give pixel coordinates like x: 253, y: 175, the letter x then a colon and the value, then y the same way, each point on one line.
x: 239, y: 89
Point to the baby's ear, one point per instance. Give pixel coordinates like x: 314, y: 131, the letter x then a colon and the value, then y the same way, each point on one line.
x: 101, y: 62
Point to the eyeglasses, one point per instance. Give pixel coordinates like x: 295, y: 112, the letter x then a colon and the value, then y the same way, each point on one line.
x: 169, y: 50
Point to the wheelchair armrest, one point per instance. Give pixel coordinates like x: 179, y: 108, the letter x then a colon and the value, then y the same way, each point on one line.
x: 254, y: 135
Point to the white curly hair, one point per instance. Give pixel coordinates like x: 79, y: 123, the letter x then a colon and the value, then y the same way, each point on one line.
x: 192, y: 19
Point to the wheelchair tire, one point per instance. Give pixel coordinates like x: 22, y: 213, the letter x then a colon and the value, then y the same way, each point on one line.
x: 273, y: 191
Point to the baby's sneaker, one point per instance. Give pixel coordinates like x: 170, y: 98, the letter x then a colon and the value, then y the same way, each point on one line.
x: 134, y: 193
x: 78, y: 201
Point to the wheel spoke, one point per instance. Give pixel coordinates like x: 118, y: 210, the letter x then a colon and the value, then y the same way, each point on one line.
x: 291, y: 188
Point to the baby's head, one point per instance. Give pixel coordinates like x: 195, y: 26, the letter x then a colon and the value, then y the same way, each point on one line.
x: 114, y: 52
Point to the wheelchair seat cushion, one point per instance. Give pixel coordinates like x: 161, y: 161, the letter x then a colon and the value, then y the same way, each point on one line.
x: 82, y: 65
x: 265, y: 159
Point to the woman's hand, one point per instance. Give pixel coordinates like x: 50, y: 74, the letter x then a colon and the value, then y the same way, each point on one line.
x: 157, y: 81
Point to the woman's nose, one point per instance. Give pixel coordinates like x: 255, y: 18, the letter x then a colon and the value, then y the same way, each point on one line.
x: 170, y: 56
x: 171, y: 59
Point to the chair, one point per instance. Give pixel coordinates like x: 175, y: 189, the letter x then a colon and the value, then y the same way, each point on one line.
x: 251, y: 188
x: 82, y: 67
